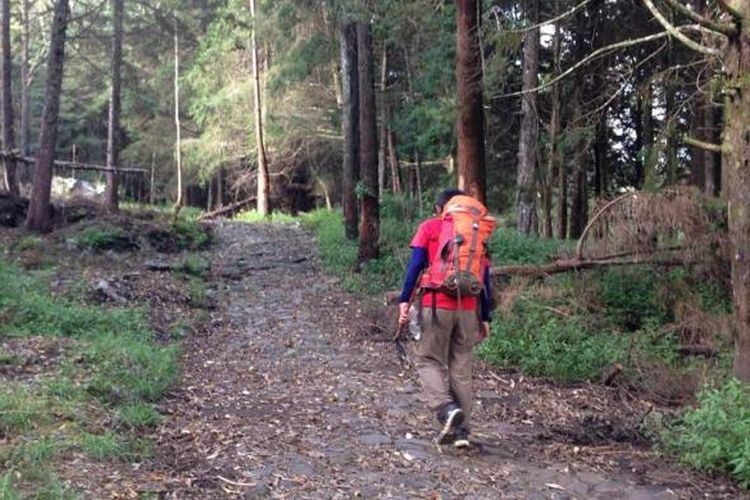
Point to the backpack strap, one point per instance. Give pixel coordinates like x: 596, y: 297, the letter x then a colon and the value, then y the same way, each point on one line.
x: 472, y: 245
x: 434, y: 307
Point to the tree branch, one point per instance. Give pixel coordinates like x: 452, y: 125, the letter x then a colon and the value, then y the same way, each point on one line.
x: 603, y: 50
x: 725, y: 28
x: 730, y: 9
x: 549, y: 21
x: 579, y: 245
x: 675, y: 32
x: 708, y: 146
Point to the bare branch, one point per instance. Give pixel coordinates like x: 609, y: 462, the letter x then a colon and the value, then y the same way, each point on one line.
x: 599, y: 52
x: 675, y: 32
x: 708, y: 146
x: 725, y: 28
x: 549, y: 21
x: 579, y: 245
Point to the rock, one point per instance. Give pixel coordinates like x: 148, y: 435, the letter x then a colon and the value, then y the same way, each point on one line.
x: 375, y: 439
x: 12, y: 210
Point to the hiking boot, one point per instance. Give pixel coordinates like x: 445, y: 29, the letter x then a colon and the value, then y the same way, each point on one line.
x: 461, y: 438
x: 451, y: 416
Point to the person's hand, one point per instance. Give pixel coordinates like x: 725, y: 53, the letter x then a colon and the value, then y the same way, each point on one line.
x: 403, y: 313
x: 484, y: 331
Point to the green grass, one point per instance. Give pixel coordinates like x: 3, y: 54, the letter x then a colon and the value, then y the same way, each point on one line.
x: 7, y: 490
x: 252, y: 216
x: 139, y: 416
x: 111, y: 366
x: 20, y: 410
x: 36, y: 453
x: 112, y: 446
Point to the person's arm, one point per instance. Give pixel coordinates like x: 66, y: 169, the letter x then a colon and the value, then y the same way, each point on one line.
x: 417, y: 263
x: 486, y: 298
x: 485, y: 306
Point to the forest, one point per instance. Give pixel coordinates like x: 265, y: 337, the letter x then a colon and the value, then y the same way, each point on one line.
x: 206, y: 212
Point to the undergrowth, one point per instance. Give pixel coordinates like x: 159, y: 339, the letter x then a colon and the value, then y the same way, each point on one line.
x: 112, y: 370
x: 715, y: 436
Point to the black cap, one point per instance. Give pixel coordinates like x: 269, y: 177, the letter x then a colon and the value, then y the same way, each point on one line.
x: 445, y: 196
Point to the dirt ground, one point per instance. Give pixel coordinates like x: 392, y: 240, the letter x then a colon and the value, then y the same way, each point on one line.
x: 292, y: 390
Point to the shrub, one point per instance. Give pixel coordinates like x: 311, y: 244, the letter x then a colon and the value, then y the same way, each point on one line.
x: 189, y: 234
x: 715, y: 436
x: 541, y: 342
x: 104, y: 238
x: 632, y: 297
x: 507, y: 246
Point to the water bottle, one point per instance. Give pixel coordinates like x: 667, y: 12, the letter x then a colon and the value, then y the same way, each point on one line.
x: 415, y: 327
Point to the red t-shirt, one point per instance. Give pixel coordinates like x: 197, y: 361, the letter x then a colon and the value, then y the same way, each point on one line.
x: 427, y: 236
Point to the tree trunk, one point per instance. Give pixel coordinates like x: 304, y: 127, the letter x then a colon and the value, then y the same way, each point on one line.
x: 670, y: 122
x: 600, y: 162
x: 152, y: 184
x: 393, y: 160
x: 25, y: 80
x: 350, y: 127
x: 562, y: 201
x: 709, y: 157
x: 470, y: 119
x: 528, y: 136
x: 383, y: 142
x: 554, y: 127
x: 264, y: 190
x: 696, y: 154
x: 418, y: 178
x: 648, y: 153
x: 113, y: 132
x: 736, y: 176
x: 9, y: 140
x: 638, y: 142
x: 39, y: 207
x: 369, y: 231
x: 178, y: 142
x: 578, y: 191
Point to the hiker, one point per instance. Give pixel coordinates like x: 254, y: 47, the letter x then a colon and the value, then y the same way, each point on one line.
x: 454, y: 308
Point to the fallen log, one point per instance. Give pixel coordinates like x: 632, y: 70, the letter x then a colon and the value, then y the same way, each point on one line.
x: 228, y: 210
x: 74, y: 165
x: 565, y: 265
x: 562, y: 266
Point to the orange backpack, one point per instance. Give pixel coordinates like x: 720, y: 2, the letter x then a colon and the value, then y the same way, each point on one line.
x: 459, y: 265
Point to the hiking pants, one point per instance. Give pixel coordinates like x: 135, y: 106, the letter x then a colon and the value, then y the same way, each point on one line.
x: 447, y: 341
